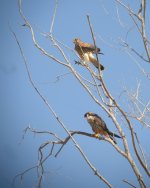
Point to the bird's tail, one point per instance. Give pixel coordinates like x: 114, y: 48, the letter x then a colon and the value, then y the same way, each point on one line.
x: 97, y: 64
x: 101, y: 67
x: 112, y: 135
x: 94, y: 61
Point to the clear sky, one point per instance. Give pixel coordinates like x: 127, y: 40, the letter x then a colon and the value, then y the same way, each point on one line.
x: 21, y: 106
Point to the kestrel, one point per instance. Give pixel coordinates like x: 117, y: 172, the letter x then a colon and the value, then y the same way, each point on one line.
x: 99, y: 126
x: 86, y: 52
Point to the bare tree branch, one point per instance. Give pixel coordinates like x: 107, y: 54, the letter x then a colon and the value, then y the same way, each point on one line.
x: 140, y: 16
x: 53, y: 19
x: 126, y: 181
x: 49, y: 107
x: 128, y: 155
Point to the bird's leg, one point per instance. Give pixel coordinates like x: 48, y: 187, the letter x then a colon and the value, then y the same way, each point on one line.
x: 96, y: 135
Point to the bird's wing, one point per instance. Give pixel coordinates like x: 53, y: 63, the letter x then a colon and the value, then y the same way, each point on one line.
x: 87, y: 47
x: 98, y: 120
x: 91, y: 49
x: 80, y: 51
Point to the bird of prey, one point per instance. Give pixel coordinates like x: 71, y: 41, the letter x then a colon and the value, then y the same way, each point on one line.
x: 99, y: 126
x: 86, y: 52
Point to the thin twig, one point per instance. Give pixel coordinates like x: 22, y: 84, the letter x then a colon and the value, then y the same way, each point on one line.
x: 142, y: 152
x: 118, y: 16
x: 126, y: 181
x: 53, y: 19
x: 92, y: 33
x: 43, y: 51
x: 126, y: 45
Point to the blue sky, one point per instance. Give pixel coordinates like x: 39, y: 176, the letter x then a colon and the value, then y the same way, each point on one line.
x: 21, y: 106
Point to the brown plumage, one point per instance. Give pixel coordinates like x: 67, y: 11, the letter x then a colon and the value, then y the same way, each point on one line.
x: 99, y: 126
x: 86, y: 52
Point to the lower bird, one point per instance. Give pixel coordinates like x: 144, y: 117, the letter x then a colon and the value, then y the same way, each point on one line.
x: 99, y: 126
x: 86, y: 52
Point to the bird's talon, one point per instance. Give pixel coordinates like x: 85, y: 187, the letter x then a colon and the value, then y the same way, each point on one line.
x: 78, y: 62
x: 96, y: 135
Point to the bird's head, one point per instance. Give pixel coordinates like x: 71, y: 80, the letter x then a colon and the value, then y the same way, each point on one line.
x: 88, y: 114
x: 76, y: 40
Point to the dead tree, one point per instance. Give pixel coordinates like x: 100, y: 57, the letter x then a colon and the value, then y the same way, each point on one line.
x: 138, y: 111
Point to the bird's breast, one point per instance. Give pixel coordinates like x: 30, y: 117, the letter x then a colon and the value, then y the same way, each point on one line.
x: 90, y: 119
x: 86, y: 57
x: 94, y: 125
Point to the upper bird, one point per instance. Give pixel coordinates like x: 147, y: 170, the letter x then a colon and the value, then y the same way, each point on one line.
x: 99, y: 126
x: 86, y: 52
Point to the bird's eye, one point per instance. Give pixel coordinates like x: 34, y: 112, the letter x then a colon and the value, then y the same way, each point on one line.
x: 85, y: 115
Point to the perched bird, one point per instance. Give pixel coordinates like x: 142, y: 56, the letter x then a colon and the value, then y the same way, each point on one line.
x: 86, y: 52
x: 99, y: 126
